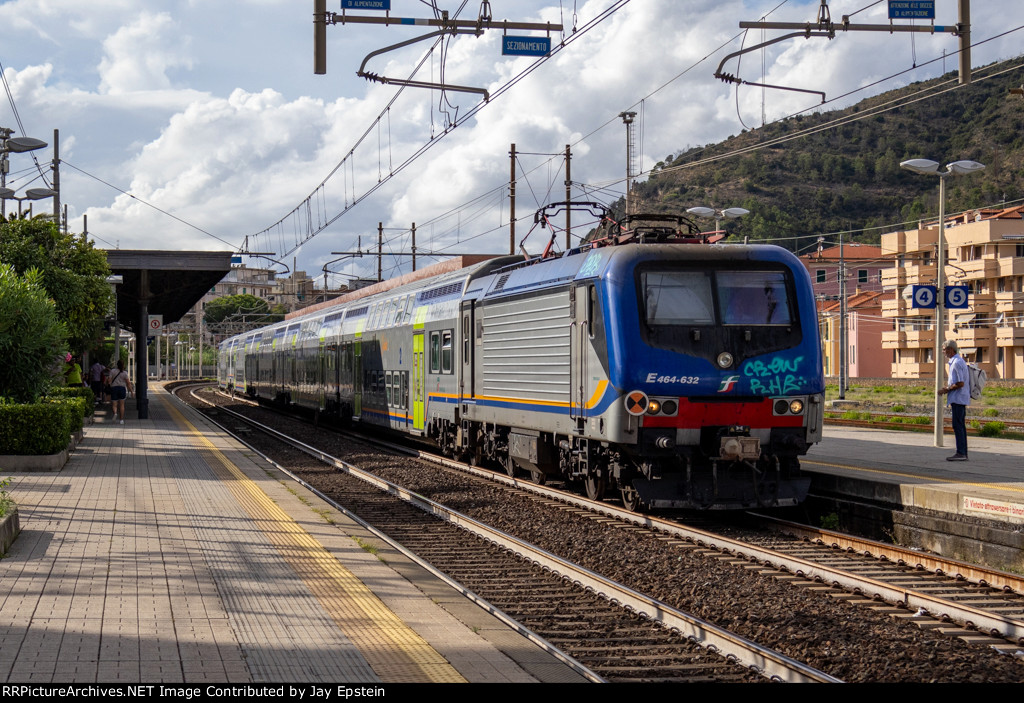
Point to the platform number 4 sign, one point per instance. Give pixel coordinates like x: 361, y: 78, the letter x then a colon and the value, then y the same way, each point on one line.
x: 924, y: 296
x: 156, y: 323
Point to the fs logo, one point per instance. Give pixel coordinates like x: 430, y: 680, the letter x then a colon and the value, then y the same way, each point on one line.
x: 728, y: 384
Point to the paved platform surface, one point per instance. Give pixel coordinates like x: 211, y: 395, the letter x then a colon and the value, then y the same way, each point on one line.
x: 161, y: 555
x: 990, y: 485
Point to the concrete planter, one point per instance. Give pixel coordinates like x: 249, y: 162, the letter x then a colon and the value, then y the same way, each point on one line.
x: 29, y: 462
x: 9, y: 529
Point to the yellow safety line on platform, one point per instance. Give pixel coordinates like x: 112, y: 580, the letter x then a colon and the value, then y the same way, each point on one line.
x: 932, y: 479
x: 395, y: 651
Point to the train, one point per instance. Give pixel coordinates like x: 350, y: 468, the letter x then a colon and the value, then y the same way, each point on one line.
x: 650, y: 363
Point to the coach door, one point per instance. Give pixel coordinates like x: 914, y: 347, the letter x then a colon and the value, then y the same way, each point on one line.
x: 418, y: 382
x: 467, y: 386
x: 582, y: 303
x: 357, y: 378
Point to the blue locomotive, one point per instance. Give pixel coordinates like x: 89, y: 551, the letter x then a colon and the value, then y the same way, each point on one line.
x: 680, y: 374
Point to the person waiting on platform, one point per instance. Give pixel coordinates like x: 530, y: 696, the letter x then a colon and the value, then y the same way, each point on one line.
x: 958, y: 397
x: 72, y: 372
x: 96, y: 372
x: 120, y: 386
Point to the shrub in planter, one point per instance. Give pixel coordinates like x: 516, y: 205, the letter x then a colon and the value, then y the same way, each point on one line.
x: 37, y: 428
x: 76, y: 410
x: 75, y: 392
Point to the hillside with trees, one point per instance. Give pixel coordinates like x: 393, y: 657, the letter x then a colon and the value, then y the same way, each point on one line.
x: 839, y: 170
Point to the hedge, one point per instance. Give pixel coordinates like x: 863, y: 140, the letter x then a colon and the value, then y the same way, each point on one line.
x: 77, y: 409
x: 75, y: 392
x: 38, y: 428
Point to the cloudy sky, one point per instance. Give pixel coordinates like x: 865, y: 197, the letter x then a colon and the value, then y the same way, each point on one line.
x: 209, y: 114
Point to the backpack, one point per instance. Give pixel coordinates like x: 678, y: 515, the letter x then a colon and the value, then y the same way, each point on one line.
x: 978, y: 380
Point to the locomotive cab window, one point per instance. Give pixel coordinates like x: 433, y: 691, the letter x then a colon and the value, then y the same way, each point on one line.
x: 753, y: 298
x: 678, y: 298
x: 749, y: 311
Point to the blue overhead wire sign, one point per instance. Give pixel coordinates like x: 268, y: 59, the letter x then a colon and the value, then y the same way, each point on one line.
x: 911, y: 9
x: 525, y: 46
x: 365, y: 4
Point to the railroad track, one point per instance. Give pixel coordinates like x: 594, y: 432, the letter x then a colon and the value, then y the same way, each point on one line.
x: 989, y: 604
x: 877, y: 422
x: 691, y: 544
x: 617, y: 634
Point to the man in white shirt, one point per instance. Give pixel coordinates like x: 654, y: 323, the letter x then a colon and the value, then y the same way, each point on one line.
x: 958, y: 397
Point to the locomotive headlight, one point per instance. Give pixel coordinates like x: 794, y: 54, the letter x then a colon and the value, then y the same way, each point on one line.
x: 796, y: 407
x: 725, y: 360
x: 654, y: 407
x: 669, y: 407
x: 781, y: 406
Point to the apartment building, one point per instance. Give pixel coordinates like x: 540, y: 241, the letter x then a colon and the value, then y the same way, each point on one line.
x: 865, y: 325
x: 985, y: 252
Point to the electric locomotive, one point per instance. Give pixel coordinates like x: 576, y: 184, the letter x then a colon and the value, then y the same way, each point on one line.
x: 678, y: 374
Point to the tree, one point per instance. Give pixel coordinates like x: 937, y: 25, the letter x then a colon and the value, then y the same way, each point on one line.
x: 31, y: 335
x: 72, y: 271
x: 222, y: 308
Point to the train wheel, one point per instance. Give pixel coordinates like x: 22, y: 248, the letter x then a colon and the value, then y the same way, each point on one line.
x: 538, y: 476
x: 631, y: 499
x: 595, y: 486
x: 510, y: 465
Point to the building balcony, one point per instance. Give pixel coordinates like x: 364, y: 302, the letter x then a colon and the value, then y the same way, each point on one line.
x: 1009, y: 302
x: 979, y: 269
x: 893, y: 307
x: 1010, y: 336
x: 1010, y: 266
x: 908, y: 339
x: 974, y: 336
x: 894, y: 278
x: 913, y: 370
x: 899, y: 277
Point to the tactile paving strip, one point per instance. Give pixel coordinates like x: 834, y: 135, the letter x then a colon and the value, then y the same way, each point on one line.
x: 396, y: 653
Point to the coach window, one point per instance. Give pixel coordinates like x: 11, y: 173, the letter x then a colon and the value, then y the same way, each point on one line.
x: 446, y: 351
x: 407, y: 315
x: 435, y: 352
x: 387, y: 384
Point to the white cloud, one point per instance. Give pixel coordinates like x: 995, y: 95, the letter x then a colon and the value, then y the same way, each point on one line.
x: 209, y: 110
x: 139, y: 55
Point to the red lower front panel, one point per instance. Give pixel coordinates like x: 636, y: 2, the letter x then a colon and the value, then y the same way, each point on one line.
x: 693, y: 415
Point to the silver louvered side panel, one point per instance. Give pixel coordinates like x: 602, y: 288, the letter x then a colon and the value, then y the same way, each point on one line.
x: 526, y: 349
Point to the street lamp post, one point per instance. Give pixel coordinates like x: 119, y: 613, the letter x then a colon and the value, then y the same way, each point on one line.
x: 13, y: 145
x: 30, y: 194
x: 729, y: 213
x: 928, y: 167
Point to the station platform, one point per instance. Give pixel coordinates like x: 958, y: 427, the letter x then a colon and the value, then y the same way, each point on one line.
x: 972, y: 510
x: 165, y: 551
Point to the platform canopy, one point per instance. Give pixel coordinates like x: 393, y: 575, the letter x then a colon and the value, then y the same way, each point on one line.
x: 169, y: 283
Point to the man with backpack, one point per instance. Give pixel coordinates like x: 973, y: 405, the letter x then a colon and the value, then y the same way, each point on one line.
x: 958, y: 397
